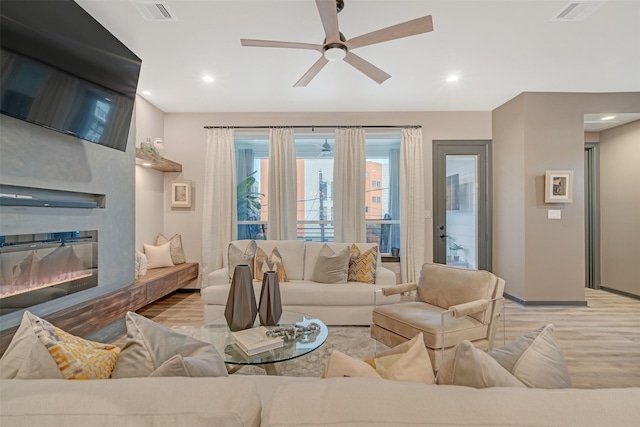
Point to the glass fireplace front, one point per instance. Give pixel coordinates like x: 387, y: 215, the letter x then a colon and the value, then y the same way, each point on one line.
x: 35, y: 268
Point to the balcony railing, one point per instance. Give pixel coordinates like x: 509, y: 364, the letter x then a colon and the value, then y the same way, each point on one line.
x: 384, y: 232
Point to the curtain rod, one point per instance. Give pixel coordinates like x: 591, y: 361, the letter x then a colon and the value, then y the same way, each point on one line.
x: 312, y: 127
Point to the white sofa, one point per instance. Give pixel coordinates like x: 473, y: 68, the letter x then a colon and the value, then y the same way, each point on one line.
x: 335, y: 304
x: 242, y: 400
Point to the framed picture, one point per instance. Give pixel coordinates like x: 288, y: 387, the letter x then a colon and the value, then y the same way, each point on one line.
x: 180, y: 194
x: 558, y: 187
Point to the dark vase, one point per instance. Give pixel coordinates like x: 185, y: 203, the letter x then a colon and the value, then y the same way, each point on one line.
x: 241, y: 309
x: 270, y: 308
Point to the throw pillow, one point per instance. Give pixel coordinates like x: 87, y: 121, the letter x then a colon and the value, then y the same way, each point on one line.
x: 468, y: 366
x: 408, y: 361
x: 141, y: 263
x: 39, y: 350
x: 26, y: 357
x: 535, y: 359
x: 151, y: 348
x: 175, y: 247
x: 158, y: 256
x: 239, y: 257
x: 273, y: 262
x: 362, y: 266
x: 331, y: 267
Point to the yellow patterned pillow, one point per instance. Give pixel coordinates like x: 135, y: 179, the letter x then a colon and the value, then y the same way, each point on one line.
x: 273, y: 262
x: 362, y: 266
x: 77, y: 358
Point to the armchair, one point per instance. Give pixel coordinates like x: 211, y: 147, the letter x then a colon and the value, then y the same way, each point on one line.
x: 451, y: 305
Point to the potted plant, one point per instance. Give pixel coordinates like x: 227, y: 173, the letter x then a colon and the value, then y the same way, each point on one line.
x: 454, y: 249
x: 248, y: 207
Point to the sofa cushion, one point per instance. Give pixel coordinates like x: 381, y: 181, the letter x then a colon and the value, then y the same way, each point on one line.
x: 408, y: 361
x: 373, y: 402
x: 150, y: 345
x: 175, y: 247
x: 535, y: 359
x: 272, y: 262
x: 158, y: 256
x: 291, y: 252
x: 331, y: 266
x: 312, y: 252
x: 39, y: 350
x: 468, y: 366
x: 158, y: 402
x: 362, y: 264
x: 239, y: 256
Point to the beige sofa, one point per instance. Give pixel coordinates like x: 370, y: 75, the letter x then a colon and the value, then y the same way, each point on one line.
x: 242, y: 400
x: 335, y: 304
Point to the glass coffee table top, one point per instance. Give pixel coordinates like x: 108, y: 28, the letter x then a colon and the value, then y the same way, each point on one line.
x: 218, y: 334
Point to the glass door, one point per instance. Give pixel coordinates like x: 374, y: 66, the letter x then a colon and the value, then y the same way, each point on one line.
x: 461, y: 216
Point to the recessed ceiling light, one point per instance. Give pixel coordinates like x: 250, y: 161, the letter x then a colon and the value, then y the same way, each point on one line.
x: 208, y: 79
x: 453, y: 78
x: 146, y: 164
x: 146, y: 92
x: 608, y: 118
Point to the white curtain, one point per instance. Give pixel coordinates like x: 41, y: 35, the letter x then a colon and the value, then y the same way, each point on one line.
x: 283, y: 180
x: 219, y: 224
x: 412, y: 202
x: 349, y: 167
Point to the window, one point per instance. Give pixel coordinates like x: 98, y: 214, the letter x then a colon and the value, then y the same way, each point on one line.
x: 315, y: 187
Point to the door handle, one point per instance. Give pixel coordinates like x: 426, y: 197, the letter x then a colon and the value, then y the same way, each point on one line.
x: 442, y: 236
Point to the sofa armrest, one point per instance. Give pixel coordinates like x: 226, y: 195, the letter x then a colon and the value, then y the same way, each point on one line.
x: 384, y: 276
x: 398, y: 289
x: 467, y: 308
x: 219, y: 277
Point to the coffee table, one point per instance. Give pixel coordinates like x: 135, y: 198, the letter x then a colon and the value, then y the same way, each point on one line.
x: 218, y: 334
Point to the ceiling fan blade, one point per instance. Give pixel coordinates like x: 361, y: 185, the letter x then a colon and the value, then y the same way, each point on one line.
x: 273, y: 43
x: 329, y: 16
x: 406, y: 29
x: 313, y: 71
x: 366, y: 67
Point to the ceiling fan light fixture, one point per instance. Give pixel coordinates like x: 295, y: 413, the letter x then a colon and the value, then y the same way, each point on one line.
x: 335, y: 53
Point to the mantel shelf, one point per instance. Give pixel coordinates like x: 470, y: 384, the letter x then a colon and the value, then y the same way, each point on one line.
x: 162, y: 165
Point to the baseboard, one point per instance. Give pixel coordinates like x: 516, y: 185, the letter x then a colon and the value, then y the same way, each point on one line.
x: 618, y: 292
x: 527, y: 303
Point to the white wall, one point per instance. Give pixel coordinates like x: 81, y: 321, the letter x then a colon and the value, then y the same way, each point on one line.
x: 150, y: 194
x: 185, y: 142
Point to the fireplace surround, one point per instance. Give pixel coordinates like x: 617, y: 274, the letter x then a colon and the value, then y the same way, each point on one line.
x: 36, y: 268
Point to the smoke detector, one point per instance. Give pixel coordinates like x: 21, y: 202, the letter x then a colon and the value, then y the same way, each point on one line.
x: 578, y: 10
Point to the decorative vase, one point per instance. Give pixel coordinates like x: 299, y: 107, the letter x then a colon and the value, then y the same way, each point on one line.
x: 270, y: 308
x: 158, y: 144
x: 241, y: 309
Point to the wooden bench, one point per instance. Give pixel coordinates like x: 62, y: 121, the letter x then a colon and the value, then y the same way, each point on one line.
x: 96, y: 313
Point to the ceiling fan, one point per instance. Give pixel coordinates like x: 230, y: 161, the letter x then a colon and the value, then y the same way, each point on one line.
x: 325, y: 149
x: 336, y: 47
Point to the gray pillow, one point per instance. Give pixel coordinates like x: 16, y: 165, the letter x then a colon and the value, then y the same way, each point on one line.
x: 239, y: 257
x: 154, y: 350
x: 331, y: 267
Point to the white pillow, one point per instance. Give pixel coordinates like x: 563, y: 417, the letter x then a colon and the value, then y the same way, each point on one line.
x: 468, y: 366
x: 154, y: 350
x: 535, y: 359
x: 158, y: 256
x: 141, y: 263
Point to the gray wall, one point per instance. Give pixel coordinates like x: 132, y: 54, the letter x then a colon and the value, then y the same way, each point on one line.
x: 620, y: 208
x: 543, y: 260
x: 33, y: 156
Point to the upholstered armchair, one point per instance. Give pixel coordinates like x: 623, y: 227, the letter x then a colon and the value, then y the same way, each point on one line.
x: 451, y: 305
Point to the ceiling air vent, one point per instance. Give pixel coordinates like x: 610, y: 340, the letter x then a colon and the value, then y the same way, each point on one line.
x: 154, y: 10
x: 578, y: 10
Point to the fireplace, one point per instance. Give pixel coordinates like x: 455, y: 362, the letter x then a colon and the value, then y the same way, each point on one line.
x: 36, y: 268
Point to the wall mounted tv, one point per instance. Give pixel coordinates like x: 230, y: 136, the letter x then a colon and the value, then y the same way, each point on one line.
x: 63, y: 70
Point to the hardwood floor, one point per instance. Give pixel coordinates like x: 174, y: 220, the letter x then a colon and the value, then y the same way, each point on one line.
x: 601, y: 342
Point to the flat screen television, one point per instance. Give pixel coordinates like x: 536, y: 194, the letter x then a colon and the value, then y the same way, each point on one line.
x: 61, y: 69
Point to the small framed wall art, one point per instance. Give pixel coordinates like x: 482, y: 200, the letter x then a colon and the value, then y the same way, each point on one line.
x: 558, y: 187
x: 180, y: 194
